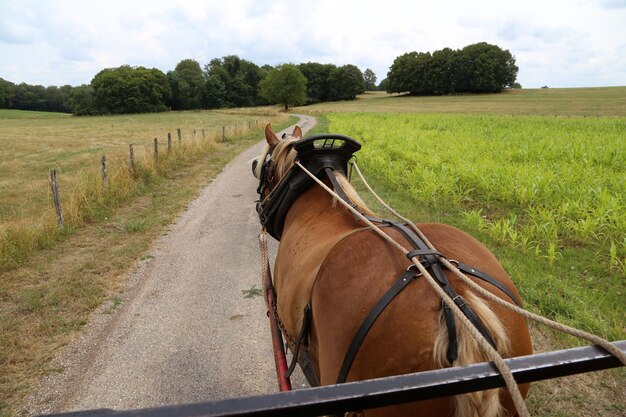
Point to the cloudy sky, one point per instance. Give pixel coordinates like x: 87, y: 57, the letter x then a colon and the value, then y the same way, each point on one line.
x: 559, y: 43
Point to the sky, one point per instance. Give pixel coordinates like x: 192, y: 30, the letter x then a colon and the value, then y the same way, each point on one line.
x: 560, y: 43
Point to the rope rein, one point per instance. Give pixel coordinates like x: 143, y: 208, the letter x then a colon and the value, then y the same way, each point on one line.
x: 493, y: 355
x: 268, y: 284
x: 581, y: 334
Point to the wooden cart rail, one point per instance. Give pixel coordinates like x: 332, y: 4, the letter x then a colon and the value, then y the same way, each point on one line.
x: 387, y: 391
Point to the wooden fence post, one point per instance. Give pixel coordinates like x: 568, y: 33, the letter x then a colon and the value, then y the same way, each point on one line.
x: 132, y: 158
x: 180, y: 136
x: 194, y: 134
x: 156, y: 150
x: 203, y: 135
x: 56, y: 196
x: 105, y: 173
x: 169, y: 142
x: 223, y: 133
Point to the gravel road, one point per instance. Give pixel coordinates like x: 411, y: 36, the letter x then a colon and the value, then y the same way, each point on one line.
x: 184, y: 331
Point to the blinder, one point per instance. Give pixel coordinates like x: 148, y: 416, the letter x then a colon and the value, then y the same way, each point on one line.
x: 316, y: 153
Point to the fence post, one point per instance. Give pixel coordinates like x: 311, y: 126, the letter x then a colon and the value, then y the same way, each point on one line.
x: 132, y: 158
x: 156, y: 150
x: 169, y: 142
x: 56, y: 196
x: 180, y: 136
x: 194, y: 134
x: 105, y: 173
x: 223, y: 133
x: 203, y: 135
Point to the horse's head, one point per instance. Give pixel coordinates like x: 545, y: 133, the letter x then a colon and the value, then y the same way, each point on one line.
x: 275, y: 159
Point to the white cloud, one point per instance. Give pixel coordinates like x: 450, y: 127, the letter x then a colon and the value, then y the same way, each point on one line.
x: 559, y: 43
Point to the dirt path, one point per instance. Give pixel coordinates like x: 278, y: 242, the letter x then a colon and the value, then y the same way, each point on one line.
x: 184, y: 331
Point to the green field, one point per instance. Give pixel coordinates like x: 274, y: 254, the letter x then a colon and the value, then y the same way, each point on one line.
x: 539, y: 176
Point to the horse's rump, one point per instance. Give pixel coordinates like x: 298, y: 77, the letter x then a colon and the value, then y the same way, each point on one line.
x: 355, y: 275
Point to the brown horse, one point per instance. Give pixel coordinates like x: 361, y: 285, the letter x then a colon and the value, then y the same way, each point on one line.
x: 340, y: 268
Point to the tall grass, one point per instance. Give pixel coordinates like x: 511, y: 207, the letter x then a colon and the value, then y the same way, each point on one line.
x: 51, y: 294
x: 84, y: 197
x: 552, y: 190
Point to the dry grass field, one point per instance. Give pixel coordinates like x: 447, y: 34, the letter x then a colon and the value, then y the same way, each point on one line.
x: 567, y: 102
x: 52, y: 278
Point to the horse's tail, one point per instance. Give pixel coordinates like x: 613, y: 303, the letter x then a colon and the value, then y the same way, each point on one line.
x: 480, y: 403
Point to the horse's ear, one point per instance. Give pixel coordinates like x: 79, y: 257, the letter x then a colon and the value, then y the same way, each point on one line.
x: 270, y: 136
x: 297, y: 132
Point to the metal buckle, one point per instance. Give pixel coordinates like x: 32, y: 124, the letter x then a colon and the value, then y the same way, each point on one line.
x: 417, y: 272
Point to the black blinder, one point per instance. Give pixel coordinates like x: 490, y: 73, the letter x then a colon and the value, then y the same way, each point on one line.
x: 254, y: 165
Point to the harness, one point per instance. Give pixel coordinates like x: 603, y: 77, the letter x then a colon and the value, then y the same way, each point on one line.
x: 324, y: 155
x: 316, y: 153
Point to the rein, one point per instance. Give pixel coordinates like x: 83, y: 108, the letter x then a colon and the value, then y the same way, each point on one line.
x: 273, y: 209
x: 493, y: 354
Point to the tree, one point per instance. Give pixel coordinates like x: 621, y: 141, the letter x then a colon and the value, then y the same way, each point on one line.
x: 214, y: 92
x: 7, y: 94
x: 82, y: 101
x: 317, y: 84
x: 370, y: 80
x: 383, y: 84
x: 130, y: 90
x: 410, y: 73
x: 285, y: 85
x: 187, y: 85
x: 240, y: 77
x: 485, y: 68
x: 477, y: 68
x: 346, y: 82
x: 441, y: 75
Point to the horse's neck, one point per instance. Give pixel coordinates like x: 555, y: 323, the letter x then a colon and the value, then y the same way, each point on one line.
x: 315, y: 211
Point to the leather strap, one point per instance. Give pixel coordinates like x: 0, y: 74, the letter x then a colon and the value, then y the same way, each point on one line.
x: 479, y: 274
x: 306, y: 364
x: 405, y: 279
x: 303, y: 338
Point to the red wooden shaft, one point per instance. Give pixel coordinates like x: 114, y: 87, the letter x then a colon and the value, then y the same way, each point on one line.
x: 284, y: 383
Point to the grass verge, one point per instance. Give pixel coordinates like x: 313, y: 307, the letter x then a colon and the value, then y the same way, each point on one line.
x: 47, y: 299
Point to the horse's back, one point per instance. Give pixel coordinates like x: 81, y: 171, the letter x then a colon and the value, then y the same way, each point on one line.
x: 354, y: 276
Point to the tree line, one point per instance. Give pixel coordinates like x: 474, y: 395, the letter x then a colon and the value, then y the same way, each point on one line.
x: 225, y: 82
x: 231, y: 81
x: 477, y: 68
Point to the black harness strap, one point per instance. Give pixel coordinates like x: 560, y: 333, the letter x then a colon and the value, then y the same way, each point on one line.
x: 303, y: 339
x: 272, y: 211
x: 479, y: 274
x: 397, y: 287
x: 432, y: 262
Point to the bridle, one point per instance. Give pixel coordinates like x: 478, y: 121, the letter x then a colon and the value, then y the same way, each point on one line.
x: 320, y: 155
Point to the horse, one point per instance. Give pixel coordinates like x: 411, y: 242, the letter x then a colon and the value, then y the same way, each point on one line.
x: 331, y: 271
